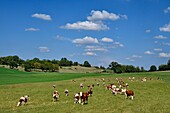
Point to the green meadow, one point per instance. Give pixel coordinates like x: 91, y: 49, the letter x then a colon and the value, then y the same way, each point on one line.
x: 153, y: 96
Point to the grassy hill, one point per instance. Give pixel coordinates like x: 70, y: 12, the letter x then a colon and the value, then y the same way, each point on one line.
x: 150, y: 97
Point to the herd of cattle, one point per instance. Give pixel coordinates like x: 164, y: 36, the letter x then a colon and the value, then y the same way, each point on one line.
x: 120, y: 87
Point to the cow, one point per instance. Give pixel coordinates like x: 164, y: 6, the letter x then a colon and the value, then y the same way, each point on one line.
x: 129, y: 93
x: 81, y: 85
x: 90, y: 92
x: 77, y: 98
x: 54, y: 86
x: 83, y: 98
x: 55, y: 95
x: 108, y: 87
x: 23, y: 99
x: 66, y: 92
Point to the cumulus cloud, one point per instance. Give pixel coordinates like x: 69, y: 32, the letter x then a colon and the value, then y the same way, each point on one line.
x: 90, y: 54
x: 32, y: 29
x: 86, y: 25
x: 165, y: 28
x: 95, y: 48
x: 164, y: 55
x: 104, y: 15
x: 44, y: 49
x: 86, y: 40
x: 167, y: 10
x: 160, y: 37
x: 148, y: 52
x: 42, y: 16
x: 157, y: 49
x: 105, y: 39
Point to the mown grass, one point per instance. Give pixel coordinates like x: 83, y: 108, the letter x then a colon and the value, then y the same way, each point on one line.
x: 150, y: 97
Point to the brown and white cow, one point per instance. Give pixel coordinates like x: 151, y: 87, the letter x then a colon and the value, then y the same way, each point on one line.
x: 66, y: 92
x: 77, y: 98
x: 55, y: 95
x: 129, y: 93
x: 23, y: 99
x: 83, y: 98
x: 81, y: 85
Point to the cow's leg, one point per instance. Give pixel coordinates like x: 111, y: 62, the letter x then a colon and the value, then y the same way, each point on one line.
x: 126, y: 96
x: 19, y: 103
x: 132, y: 97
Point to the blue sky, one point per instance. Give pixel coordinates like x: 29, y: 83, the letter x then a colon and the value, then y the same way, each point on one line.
x: 131, y: 32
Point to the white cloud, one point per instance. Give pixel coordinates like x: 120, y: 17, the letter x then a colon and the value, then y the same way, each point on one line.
x: 44, y: 49
x: 165, y: 28
x: 105, y: 39
x: 160, y: 37
x: 167, y: 10
x: 164, y: 55
x: 86, y: 40
x: 86, y: 25
x: 119, y: 44
x: 42, y: 16
x: 58, y: 37
x: 130, y: 59
x: 157, y: 49
x: 148, y: 52
x: 167, y: 44
x: 32, y: 29
x: 133, y: 58
x: 95, y: 48
x: 104, y: 15
x: 148, y: 31
x: 136, y: 56
x: 90, y: 54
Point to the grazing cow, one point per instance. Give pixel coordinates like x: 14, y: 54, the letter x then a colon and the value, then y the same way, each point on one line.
x: 54, y: 86
x: 73, y: 81
x: 143, y: 79
x: 55, y: 95
x: 129, y: 93
x: 84, y: 98
x: 77, y: 98
x: 66, y: 92
x: 98, y: 84
x: 23, y: 99
x: 114, y: 92
x: 108, y: 87
x: 81, y: 85
x: 90, y: 92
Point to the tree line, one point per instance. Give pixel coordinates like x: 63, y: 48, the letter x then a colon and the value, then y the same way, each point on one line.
x: 36, y: 64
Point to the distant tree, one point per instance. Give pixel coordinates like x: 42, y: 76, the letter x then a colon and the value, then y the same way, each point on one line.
x: 168, y: 62
x: 87, y: 64
x: 115, y: 66
x: 164, y: 67
x: 102, y: 67
x: 75, y: 64
x: 153, y: 68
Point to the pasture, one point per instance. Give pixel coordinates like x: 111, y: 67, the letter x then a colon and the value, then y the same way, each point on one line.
x: 150, y: 97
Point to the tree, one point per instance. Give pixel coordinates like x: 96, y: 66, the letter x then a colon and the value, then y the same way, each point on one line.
x: 153, y: 68
x: 87, y: 64
x: 115, y: 66
x: 168, y: 62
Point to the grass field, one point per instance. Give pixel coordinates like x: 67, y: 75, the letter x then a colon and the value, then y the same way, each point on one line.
x: 150, y: 97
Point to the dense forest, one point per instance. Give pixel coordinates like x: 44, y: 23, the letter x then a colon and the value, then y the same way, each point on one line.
x: 45, y: 65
